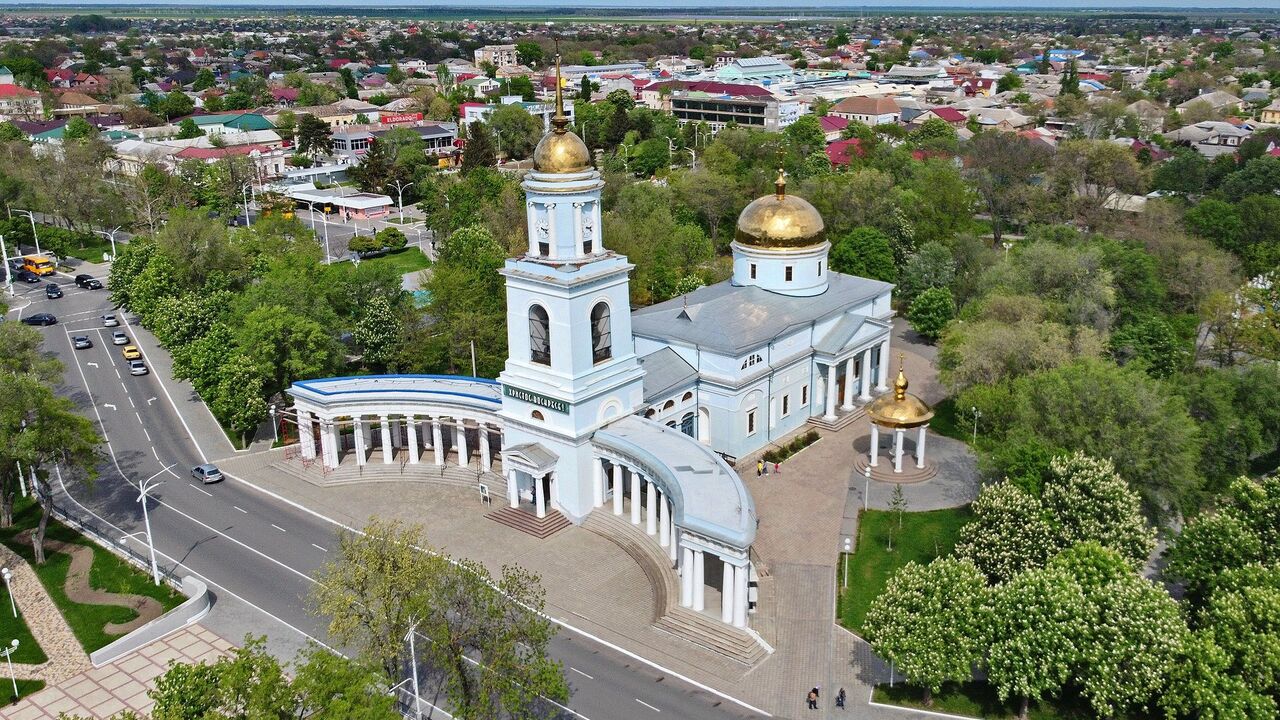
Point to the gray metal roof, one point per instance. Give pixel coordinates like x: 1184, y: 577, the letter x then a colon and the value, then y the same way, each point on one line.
x: 732, y: 319
x: 664, y: 372
x: 707, y: 496
x: 835, y: 339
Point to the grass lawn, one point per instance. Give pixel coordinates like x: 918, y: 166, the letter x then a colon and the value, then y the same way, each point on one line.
x: 25, y: 688
x: 923, y: 537
x: 92, y: 251
x: 108, y: 573
x: 405, y: 260
x: 29, y: 651
x: 978, y: 699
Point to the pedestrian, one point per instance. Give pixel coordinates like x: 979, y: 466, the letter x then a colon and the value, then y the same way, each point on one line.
x: 840, y: 698
x: 813, y: 699
x: 759, y: 468
x: 776, y: 470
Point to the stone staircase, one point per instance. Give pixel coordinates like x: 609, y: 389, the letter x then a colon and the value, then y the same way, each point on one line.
x: 529, y: 523
x: 645, y: 550
x: 350, y: 473
x: 843, y: 420
x: 702, y: 630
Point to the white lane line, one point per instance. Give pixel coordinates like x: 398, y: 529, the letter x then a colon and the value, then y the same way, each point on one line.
x: 131, y: 402
x: 581, y: 673
x: 278, y: 527
x: 246, y: 512
x: 647, y: 705
x: 118, y: 375
x: 200, y: 489
x: 318, y: 547
x: 144, y: 432
x: 135, y: 414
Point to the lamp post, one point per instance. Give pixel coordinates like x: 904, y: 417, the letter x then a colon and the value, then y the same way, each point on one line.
x: 976, y: 414
x: 275, y: 429
x: 8, y: 272
x: 1007, y: 246
x: 110, y: 235
x: 399, y: 186
x: 244, y: 197
x: 413, y: 664
x: 8, y: 588
x: 8, y: 656
x: 866, y: 488
x: 34, y: 236
x: 328, y: 257
x: 848, y: 548
x: 145, y: 487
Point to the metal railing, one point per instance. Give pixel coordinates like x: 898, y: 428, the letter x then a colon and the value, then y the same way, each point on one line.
x: 103, y: 536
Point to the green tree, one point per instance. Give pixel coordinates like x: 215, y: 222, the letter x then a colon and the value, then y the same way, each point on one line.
x: 378, y: 335
x: 649, y: 157
x: 1088, y: 501
x: 314, y: 137
x: 479, y: 151
x: 931, y: 311
x: 516, y: 131
x: 1152, y: 342
x: 237, y: 400
x: 806, y: 134
x: 395, y: 75
x: 1241, y: 532
x: 187, y: 129
x: 176, y: 104
x: 1010, y: 533
x: 529, y: 53
x: 286, y: 347
x: 932, y: 266
x: 204, y: 80
x: 1202, y: 684
x: 931, y: 621
x: 1008, y: 82
x: 865, y: 252
x: 77, y: 128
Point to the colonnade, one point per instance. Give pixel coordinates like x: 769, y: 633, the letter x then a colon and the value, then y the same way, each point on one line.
x: 851, y: 378
x: 411, y: 432
x: 898, y: 434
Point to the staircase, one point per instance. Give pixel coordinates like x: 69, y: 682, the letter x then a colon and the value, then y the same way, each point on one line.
x: 529, y: 523
x: 695, y: 627
x: 645, y: 550
x: 350, y: 473
x: 841, y: 421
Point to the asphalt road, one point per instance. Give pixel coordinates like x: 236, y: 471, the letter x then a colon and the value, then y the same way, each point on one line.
x: 256, y: 552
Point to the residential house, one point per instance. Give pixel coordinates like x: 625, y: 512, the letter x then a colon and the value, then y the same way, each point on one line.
x: 868, y: 110
x: 6, y: 76
x: 1271, y: 113
x: 17, y: 102
x: 833, y: 126
x: 1218, y: 100
x: 766, y: 112
x: 946, y: 113
x: 76, y: 103
x: 1211, y: 138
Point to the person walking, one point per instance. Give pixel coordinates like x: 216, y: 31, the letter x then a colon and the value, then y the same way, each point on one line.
x: 759, y: 468
x: 813, y: 699
x: 840, y: 698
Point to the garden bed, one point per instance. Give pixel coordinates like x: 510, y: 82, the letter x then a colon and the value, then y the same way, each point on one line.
x: 798, y: 443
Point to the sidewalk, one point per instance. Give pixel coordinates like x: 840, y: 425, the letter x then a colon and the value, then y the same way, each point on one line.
x: 65, y: 655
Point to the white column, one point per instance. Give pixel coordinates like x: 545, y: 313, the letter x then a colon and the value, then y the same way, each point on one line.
x: 306, y: 440
x: 513, y: 489
x: 875, y: 444
x: 686, y: 578
x: 335, y: 444
x: 651, y: 508
x: 726, y: 592
x: 387, y: 447
x: 635, y: 496
x: 326, y: 444
x: 359, y: 436
x: 460, y: 435
x: 741, y: 593
x: 830, y: 407
x: 539, y: 498
x: 882, y: 379
x: 617, y: 489
x: 486, y: 457
x: 897, y: 449
x: 413, y: 440
x: 699, y: 581
x: 664, y: 522
x: 847, y: 405
x: 675, y: 537
x: 597, y: 482
x: 864, y: 392
x: 437, y: 441
x: 920, y: 446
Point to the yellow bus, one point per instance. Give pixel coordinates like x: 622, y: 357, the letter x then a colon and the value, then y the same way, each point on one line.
x: 38, y: 264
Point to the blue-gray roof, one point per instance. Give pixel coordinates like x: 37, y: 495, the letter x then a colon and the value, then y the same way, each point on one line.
x: 665, y: 372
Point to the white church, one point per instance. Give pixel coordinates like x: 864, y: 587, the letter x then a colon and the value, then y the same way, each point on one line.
x: 637, y: 415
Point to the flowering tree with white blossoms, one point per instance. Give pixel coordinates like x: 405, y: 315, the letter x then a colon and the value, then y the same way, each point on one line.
x: 1090, y: 501
x: 931, y: 621
x: 1009, y: 533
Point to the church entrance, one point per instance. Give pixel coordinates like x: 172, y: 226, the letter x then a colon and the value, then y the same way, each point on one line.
x: 840, y: 382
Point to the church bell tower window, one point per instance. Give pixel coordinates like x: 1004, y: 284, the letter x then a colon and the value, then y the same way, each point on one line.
x: 601, y: 340
x: 539, y: 336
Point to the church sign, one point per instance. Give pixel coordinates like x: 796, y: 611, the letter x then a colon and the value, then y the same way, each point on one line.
x: 534, y: 398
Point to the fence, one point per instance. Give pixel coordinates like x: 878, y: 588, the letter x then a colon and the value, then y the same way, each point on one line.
x: 102, y: 535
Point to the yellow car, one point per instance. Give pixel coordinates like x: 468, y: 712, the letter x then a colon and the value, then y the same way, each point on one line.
x: 131, y: 352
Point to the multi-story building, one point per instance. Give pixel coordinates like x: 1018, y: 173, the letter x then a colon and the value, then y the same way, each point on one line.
x: 497, y: 55
x: 17, y: 102
x: 717, y: 111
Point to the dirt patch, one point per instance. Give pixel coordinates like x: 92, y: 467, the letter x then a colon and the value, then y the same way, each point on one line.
x: 79, y: 590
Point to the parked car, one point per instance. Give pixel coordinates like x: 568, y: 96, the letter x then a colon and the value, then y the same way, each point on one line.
x: 27, y: 277
x: 88, y: 282
x: 110, y: 321
x: 131, y: 352
x: 40, y: 319
x: 137, y: 367
x: 119, y: 338
x: 207, y: 473
x: 81, y: 342
x: 52, y: 291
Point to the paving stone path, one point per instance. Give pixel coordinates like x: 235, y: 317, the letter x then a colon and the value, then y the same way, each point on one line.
x: 66, y: 657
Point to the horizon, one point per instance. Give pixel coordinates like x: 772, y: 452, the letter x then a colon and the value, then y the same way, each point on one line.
x: 684, y: 6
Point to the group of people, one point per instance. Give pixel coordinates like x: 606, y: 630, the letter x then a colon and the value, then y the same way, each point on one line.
x: 762, y: 468
x: 812, y: 699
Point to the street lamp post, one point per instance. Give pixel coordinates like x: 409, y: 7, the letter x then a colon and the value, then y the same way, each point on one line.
x: 399, y: 186
x: 8, y: 271
x: 275, y: 429
x: 1007, y: 246
x: 8, y: 588
x: 413, y: 663
x: 110, y: 235
x: 866, y: 489
x: 976, y: 414
x: 145, y: 487
x: 34, y: 236
x: 328, y: 257
x: 8, y: 656
x: 244, y: 197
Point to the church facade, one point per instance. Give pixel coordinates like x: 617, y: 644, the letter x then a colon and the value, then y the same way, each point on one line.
x: 635, y: 414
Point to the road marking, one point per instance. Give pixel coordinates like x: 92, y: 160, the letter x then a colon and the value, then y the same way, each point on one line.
x: 131, y: 402
x: 118, y: 375
x: 278, y: 527
x: 200, y: 489
x: 92, y: 364
x: 246, y: 512
x: 150, y: 400
x: 144, y: 432
x: 135, y: 414
x: 113, y: 407
x: 581, y: 673
x: 318, y: 547
x: 647, y: 705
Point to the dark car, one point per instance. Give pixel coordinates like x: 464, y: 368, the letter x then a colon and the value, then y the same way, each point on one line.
x: 52, y: 291
x: 81, y: 342
x: 88, y: 282
x: 40, y: 319
x: 28, y: 277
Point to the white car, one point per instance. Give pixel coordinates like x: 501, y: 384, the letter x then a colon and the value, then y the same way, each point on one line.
x: 119, y: 338
x: 137, y: 367
x: 206, y: 473
x: 110, y: 321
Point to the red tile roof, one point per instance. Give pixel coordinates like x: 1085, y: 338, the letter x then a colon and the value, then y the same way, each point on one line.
x: 201, y: 153
x: 831, y: 123
x: 842, y: 152
x: 9, y: 90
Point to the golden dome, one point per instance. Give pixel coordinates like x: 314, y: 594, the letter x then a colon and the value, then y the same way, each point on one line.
x: 780, y: 220
x: 561, y: 151
x: 901, y: 409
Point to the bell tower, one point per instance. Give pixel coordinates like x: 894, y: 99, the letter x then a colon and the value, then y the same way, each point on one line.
x: 571, y: 365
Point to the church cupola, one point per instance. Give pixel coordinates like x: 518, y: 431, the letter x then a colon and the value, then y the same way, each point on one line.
x: 780, y: 244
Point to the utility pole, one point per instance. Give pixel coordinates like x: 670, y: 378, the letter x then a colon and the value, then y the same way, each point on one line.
x: 110, y: 235
x: 400, y: 186
x: 34, y: 236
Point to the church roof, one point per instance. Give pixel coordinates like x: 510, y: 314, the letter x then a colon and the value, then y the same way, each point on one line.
x: 844, y: 330
x: 664, y: 372
x: 732, y: 319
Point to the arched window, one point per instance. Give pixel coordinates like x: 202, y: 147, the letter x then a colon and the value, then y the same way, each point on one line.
x: 601, y: 338
x: 687, y: 397
x: 539, y: 335
x: 686, y: 424
x: 537, y: 415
